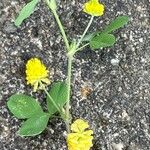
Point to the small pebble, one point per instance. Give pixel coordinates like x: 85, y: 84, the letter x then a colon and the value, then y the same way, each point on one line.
x: 115, y: 61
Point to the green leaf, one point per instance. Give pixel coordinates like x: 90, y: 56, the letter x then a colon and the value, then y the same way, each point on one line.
x: 26, y: 12
x: 23, y: 106
x: 116, y: 24
x: 59, y: 94
x: 35, y: 125
x: 102, y: 40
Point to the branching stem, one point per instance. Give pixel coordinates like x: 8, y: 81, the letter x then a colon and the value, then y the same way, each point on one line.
x: 70, y: 55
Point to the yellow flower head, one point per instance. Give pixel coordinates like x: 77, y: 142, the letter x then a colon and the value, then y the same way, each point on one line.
x: 80, y: 139
x: 94, y: 8
x: 36, y: 73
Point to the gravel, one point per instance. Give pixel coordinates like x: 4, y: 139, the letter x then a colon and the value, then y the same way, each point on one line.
x: 118, y: 107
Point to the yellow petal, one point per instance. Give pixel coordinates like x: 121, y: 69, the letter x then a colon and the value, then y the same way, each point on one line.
x: 79, y: 125
x: 79, y: 141
x: 36, y: 72
x: 94, y: 8
x: 88, y: 132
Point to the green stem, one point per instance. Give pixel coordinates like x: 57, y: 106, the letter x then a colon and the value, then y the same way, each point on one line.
x: 51, y: 99
x: 68, y: 116
x: 61, y: 29
x: 70, y: 58
x: 80, y: 48
x: 84, y: 33
x: 59, y: 24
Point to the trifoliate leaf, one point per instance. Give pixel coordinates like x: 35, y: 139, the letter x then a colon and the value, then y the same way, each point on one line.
x: 116, y: 24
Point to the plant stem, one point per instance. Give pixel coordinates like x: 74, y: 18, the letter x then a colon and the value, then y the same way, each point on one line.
x: 51, y: 99
x: 61, y: 29
x: 68, y: 117
x: 70, y: 59
x: 85, y: 31
x: 80, y: 48
x: 59, y: 24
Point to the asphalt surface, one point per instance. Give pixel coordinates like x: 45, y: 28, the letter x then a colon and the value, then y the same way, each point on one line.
x: 117, y: 78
